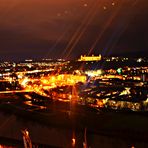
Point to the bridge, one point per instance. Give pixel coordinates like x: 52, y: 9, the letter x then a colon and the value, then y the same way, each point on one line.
x: 15, y: 91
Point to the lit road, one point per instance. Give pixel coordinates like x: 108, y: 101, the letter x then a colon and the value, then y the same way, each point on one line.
x: 14, y: 91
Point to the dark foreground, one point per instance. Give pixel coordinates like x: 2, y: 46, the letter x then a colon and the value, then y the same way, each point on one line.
x: 55, y: 126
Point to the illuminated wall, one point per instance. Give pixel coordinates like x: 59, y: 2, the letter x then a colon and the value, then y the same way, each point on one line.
x: 90, y: 58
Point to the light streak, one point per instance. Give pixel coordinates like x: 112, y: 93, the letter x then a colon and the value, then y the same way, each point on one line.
x: 79, y: 32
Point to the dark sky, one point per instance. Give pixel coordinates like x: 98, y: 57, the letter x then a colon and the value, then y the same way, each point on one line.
x: 69, y: 28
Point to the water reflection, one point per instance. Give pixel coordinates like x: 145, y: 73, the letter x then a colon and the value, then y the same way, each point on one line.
x: 60, y: 137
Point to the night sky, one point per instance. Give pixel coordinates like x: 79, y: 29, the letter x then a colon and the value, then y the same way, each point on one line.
x: 69, y: 28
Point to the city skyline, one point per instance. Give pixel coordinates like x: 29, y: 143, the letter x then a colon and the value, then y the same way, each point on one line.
x: 73, y: 73
x: 68, y: 29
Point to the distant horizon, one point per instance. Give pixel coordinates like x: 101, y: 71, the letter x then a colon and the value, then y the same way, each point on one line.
x: 129, y: 55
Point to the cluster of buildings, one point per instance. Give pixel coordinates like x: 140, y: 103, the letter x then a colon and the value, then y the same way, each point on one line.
x: 94, y: 72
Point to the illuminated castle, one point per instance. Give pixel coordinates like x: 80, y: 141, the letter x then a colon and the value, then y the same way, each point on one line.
x: 90, y: 58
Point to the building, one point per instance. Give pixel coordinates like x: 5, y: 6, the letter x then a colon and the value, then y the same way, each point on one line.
x: 90, y: 58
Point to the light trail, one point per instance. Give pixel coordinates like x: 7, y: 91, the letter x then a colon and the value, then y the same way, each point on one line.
x: 107, y: 24
x: 117, y: 33
x: 91, y: 17
x: 35, y: 71
x: 81, y: 27
x: 15, y: 91
x: 6, y: 123
x: 57, y: 41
